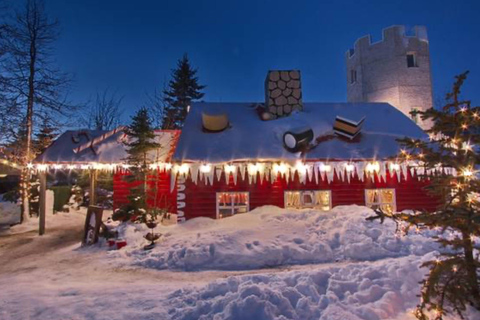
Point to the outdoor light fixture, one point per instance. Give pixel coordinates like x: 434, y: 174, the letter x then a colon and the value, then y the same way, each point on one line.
x: 205, y: 168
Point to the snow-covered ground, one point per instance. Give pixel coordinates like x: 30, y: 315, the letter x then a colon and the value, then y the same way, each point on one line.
x: 9, y: 213
x: 268, y: 264
x: 271, y: 237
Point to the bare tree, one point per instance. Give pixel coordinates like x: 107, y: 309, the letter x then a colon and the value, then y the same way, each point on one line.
x: 105, y: 113
x: 156, y: 106
x: 30, y: 80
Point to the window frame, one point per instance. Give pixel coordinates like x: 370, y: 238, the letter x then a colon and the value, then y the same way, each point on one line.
x: 415, y: 61
x: 232, y: 204
x: 379, y: 204
x: 302, y: 206
x: 353, y: 76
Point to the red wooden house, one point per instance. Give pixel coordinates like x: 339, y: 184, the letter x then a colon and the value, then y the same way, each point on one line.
x: 234, y: 157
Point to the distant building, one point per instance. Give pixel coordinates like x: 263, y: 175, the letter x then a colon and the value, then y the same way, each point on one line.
x: 395, y: 70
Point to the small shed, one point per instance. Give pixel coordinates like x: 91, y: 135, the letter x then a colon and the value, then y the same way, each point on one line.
x: 96, y: 150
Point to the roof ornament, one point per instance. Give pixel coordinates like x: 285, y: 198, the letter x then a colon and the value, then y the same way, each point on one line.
x: 214, y: 122
x: 347, y: 128
x: 297, y: 139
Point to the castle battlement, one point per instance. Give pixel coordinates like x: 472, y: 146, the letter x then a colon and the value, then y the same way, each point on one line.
x: 395, y: 69
x: 396, y: 35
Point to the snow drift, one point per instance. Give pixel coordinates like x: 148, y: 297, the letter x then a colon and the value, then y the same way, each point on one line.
x: 271, y: 237
x: 374, y: 291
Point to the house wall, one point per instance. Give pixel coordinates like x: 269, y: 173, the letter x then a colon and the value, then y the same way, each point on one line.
x: 122, y: 187
x: 200, y: 198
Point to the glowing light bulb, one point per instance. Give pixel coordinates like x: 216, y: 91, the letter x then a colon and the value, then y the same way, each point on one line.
x: 229, y: 168
x: 280, y: 168
x: 467, y: 172
x: 325, y: 168
x: 394, y: 167
x: 205, y: 168
x: 373, y: 166
x: 183, y: 168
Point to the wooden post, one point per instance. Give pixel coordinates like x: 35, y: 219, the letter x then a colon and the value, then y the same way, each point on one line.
x: 93, y: 187
x: 42, y: 202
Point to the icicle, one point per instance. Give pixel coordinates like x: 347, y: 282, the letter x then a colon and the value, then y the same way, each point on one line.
x: 235, y: 175
x: 330, y: 175
x: 209, y: 177
x: 173, y: 178
x: 310, y: 172
x: 242, y: 168
x: 339, y: 168
x: 404, y: 170
x: 360, y: 167
x: 383, y: 171
x: 315, y: 172
x: 218, y: 172
x: 194, y: 171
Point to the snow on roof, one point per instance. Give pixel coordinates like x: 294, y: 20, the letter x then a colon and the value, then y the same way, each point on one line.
x: 85, y: 146
x: 251, y: 138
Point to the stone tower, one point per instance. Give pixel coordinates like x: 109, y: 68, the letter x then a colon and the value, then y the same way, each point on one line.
x: 394, y: 70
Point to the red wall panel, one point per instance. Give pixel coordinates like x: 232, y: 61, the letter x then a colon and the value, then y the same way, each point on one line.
x: 200, y: 198
x: 159, y: 182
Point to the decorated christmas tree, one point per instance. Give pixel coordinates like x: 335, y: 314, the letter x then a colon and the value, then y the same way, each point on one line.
x: 45, y: 135
x: 141, y: 141
x: 450, y: 160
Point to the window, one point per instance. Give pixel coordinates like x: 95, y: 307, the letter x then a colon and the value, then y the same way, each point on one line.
x: 353, y: 76
x: 230, y: 203
x: 320, y: 199
x: 381, y: 199
x: 411, y: 60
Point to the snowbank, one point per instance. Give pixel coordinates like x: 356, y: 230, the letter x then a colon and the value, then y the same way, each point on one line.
x: 374, y: 291
x: 270, y: 237
x: 9, y: 212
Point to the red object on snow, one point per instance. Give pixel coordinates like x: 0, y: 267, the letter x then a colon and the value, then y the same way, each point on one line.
x: 111, y: 243
x: 121, y: 243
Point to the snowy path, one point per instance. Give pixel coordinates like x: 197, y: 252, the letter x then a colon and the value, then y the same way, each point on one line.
x: 51, y: 277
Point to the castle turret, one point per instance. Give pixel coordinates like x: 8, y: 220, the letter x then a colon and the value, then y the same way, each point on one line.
x: 394, y: 70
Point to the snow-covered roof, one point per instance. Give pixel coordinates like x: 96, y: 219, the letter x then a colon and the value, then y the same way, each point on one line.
x: 251, y: 138
x: 86, y: 146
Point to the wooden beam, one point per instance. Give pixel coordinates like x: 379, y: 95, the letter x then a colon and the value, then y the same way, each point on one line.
x: 42, y: 203
x: 93, y: 187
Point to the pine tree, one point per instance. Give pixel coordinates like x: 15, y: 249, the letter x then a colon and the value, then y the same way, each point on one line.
x: 45, y: 136
x: 453, y: 147
x: 182, y: 89
x: 141, y: 140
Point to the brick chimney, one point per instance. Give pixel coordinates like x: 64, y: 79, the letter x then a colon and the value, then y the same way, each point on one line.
x: 283, y: 92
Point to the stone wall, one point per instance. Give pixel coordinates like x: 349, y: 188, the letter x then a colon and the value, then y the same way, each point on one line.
x: 283, y: 92
x: 382, y: 73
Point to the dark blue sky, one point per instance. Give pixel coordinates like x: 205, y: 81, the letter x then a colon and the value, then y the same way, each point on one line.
x: 131, y: 46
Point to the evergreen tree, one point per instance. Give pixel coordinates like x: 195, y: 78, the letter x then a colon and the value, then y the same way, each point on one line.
x: 453, y: 280
x: 182, y: 89
x: 141, y: 140
x: 45, y: 136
